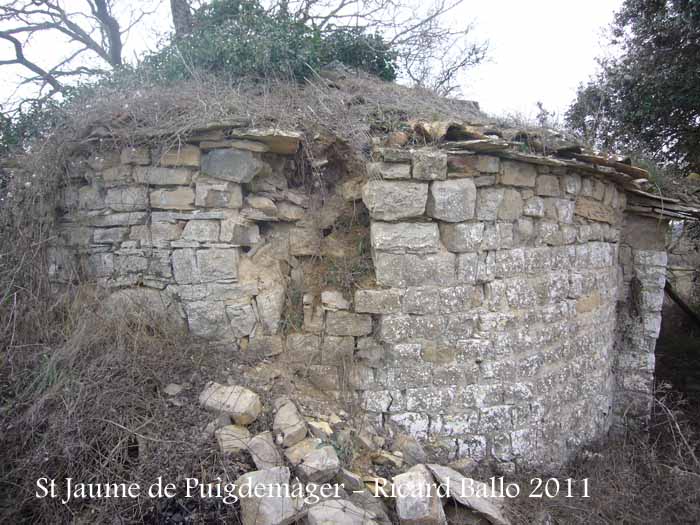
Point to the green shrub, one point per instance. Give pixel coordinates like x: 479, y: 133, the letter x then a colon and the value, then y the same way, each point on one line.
x: 241, y: 38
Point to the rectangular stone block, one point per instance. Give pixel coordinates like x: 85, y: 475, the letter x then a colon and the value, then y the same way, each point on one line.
x: 391, y: 201
x: 468, y: 268
x: 176, y: 199
x: 421, y: 300
x: 548, y: 185
x: 518, y: 174
x: 109, y: 235
x: 429, y: 165
x: 497, y: 236
x: 405, y: 237
x: 488, y: 202
x: 127, y: 198
x: 203, y: 266
x: 460, y: 298
x: 118, y: 219
x: 511, y: 207
x: 239, y: 232
x: 595, y: 211
x: 430, y: 269
x: 394, y: 270
x: 348, y: 323
x: 234, y: 165
x: 181, y: 155
x: 100, y: 265
x: 473, y: 165
x: 452, y: 200
x: 521, y: 293
x: 462, y: 236
x: 389, y: 170
x: 509, y: 262
x: 201, y: 231
x: 432, y: 400
x: 163, y: 176
x: 213, y: 193
x: 378, y: 301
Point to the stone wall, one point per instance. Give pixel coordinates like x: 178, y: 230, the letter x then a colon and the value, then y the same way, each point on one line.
x: 488, y: 329
x: 173, y: 228
x: 497, y: 312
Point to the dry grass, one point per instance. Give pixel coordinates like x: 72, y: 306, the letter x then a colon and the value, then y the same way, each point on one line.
x: 636, y: 478
x: 93, y: 409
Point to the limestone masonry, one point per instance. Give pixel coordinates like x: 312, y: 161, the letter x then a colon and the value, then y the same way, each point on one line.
x: 511, y: 316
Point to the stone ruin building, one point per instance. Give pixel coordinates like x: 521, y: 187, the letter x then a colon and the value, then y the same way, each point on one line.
x: 497, y: 299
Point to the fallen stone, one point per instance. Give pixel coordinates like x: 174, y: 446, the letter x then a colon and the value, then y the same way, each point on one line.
x: 489, y: 507
x: 349, y: 480
x: 232, y: 438
x: 304, y: 240
x: 288, y: 425
x: 416, y: 500
x: 264, y: 503
x: 173, y: 389
x: 241, y: 404
x: 457, y: 514
x: 367, y: 501
x: 411, y: 449
x: 296, y: 453
x: 379, y: 487
x: 319, y: 465
x: 320, y: 429
x: 222, y: 420
x: 386, y: 458
x: 338, y: 512
x: 264, y: 452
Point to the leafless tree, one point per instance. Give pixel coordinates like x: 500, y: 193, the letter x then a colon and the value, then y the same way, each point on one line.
x: 431, y: 51
x: 91, y: 28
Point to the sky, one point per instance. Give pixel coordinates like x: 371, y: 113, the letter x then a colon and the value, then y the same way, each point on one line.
x: 538, y: 51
